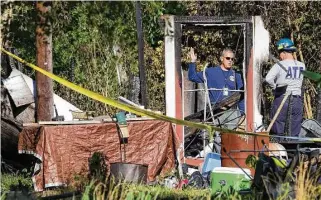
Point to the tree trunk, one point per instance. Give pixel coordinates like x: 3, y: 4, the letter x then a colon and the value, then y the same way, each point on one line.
x: 44, y: 84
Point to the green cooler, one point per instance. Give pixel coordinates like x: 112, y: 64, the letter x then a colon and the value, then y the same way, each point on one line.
x: 222, y: 178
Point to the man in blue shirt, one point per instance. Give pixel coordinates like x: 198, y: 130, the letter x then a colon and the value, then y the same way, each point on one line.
x: 222, y: 78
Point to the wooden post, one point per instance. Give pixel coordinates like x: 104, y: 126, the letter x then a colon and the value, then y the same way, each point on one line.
x: 140, y: 37
x: 44, y: 84
x: 277, y: 112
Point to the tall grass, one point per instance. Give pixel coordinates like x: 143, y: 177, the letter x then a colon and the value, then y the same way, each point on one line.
x: 307, y: 186
x: 303, y: 186
x: 129, y: 191
x: 302, y: 182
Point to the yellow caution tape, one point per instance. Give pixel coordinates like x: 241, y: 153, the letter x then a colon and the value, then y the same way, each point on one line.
x: 133, y: 109
x: 106, y: 100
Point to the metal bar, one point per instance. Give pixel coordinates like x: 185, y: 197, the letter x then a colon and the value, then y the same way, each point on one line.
x: 207, y: 100
x: 123, y: 99
x: 220, y: 24
x: 207, y: 96
x: 240, y: 151
x: 211, y: 19
x: 195, y: 90
x: 228, y: 154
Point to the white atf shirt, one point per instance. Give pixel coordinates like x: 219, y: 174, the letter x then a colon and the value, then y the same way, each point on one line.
x: 292, y: 77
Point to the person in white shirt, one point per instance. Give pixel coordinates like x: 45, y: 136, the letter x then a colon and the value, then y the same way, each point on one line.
x: 285, y: 77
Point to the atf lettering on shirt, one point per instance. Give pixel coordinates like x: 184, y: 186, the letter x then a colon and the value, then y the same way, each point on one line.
x: 291, y: 76
x: 294, y: 72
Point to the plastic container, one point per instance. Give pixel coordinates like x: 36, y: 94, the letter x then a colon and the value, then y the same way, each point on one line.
x: 212, y: 160
x: 222, y: 178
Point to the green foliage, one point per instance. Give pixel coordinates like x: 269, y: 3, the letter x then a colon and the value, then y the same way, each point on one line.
x: 89, y: 38
x: 208, y: 43
x: 140, y: 192
x: 152, y: 30
x: 306, y: 187
x: 88, y: 191
x: 251, y: 161
x: 229, y: 194
x: 18, y: 30
x: 97, y: 166
x: 152, y: 11
x: 154, y: 59
x: 18, y: 181
x: 92, y: 40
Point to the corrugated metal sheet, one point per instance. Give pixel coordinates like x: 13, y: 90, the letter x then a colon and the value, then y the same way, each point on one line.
x: 18, y: 90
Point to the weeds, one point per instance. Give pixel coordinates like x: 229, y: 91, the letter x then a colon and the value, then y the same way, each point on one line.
x: 16, y: 181
x: 129, y: 191
x: 302, y: 182
x: 302, y: 185
x: 307, y: 183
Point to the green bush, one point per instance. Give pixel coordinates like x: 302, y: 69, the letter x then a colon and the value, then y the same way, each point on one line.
x: 18, y: 181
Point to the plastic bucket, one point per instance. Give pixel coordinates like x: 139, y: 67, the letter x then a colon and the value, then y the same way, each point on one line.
x: 128, y: 172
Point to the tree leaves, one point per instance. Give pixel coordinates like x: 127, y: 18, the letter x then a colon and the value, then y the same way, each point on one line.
x: 87, y: 32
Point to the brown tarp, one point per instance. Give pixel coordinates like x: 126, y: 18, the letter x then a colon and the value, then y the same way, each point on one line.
x: 64, y: 150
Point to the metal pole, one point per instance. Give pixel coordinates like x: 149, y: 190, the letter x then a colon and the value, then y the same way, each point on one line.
x: 140, y: 37
x: 44, y: 84
x: 228, y: 154
x: 241, y: 151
